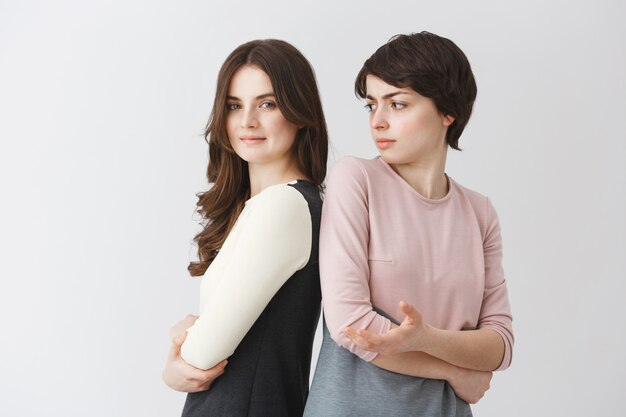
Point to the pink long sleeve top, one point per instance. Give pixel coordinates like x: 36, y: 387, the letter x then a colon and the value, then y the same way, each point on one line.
x: 382, y: 242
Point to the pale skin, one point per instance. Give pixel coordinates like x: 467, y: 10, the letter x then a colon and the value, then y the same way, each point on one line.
x: 398, y: 354
x: 468, y: 384
x: 263, y: 137
x: 259, y: 132
x: 410, y: 132
x: 181, y: 376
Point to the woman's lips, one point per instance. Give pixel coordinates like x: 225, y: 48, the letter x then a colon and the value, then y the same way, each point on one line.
x: 251, y: 139
x: 384, y: 143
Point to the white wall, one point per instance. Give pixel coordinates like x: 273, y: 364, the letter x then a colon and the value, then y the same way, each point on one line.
x: 102, y: 106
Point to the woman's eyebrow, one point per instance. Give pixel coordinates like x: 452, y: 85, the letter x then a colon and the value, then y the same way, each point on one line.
x: 262, y: 96
x: 386, y: 96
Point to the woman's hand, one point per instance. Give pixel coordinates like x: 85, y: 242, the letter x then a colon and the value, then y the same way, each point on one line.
x: 182, y: 326
x: 181, y: 376
x: 470, y: 385
x: 408, y: 337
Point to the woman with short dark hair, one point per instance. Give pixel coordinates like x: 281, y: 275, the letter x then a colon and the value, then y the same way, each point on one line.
x: 415, y: 302
x: 258, y: 250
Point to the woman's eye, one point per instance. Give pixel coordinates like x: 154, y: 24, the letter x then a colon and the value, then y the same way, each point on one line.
x: 370, y: 106
x: 268, y: 105
x: 398, y: 106
x: 233, y: 106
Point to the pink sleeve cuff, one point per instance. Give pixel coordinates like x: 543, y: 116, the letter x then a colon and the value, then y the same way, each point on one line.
x: 377, y: 324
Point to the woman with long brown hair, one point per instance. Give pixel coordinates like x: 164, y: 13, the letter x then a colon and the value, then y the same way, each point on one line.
x: 258, y: 251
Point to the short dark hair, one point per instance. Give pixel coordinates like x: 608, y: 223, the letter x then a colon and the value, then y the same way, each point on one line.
x: 431, y: 65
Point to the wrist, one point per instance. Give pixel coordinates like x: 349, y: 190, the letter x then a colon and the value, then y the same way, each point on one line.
x: 426, y: 339
x: 455, y: 374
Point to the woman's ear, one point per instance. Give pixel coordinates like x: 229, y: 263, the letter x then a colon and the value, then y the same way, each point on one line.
x: 448, y: 120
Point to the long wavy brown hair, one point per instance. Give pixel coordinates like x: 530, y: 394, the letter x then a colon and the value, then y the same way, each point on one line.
x: 298, y: 99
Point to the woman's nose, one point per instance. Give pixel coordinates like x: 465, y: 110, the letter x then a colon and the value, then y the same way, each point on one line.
x: 249, y: 119
x: 378, y: 120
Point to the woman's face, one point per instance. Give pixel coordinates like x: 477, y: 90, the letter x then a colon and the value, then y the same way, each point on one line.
x: 256, y: 128
x: 406, y: 126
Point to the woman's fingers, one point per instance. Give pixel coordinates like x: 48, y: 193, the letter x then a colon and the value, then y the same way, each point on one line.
x: 181, y: 376
x: 204, y: 377
x: 352, y: 335
x: 364, y: 339
x: 182, y: 325
x: 176, y: 344
x: 180, y: 339
x: 372, y: 338
x: 217, y: 370
x: 411, y: 313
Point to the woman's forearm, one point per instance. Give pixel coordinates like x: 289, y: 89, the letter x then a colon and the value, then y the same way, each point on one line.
x: 481, y: 349
x: 417, y: 364
x: 470, y: 385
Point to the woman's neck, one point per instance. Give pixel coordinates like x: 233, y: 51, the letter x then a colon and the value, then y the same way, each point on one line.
x: 263, y: 176
x: 427, y: 175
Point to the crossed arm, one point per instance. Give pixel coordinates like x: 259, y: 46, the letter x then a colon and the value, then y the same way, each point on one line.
x: 270, y: 242
x: 480, y: 350
x: 463, y: 358
x: 416, y: 349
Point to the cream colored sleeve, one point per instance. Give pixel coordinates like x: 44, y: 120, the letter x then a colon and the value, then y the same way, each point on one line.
x: 271, y: 243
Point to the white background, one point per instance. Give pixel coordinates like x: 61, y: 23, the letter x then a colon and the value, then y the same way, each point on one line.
x: 102, y: 109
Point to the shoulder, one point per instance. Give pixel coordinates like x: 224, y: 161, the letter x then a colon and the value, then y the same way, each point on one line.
x: 474, y: 197
x: 277, y: 201
x: 355, y: 170
x: 480, y: 204
x: 353, y: 165
x: 309, y: 191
